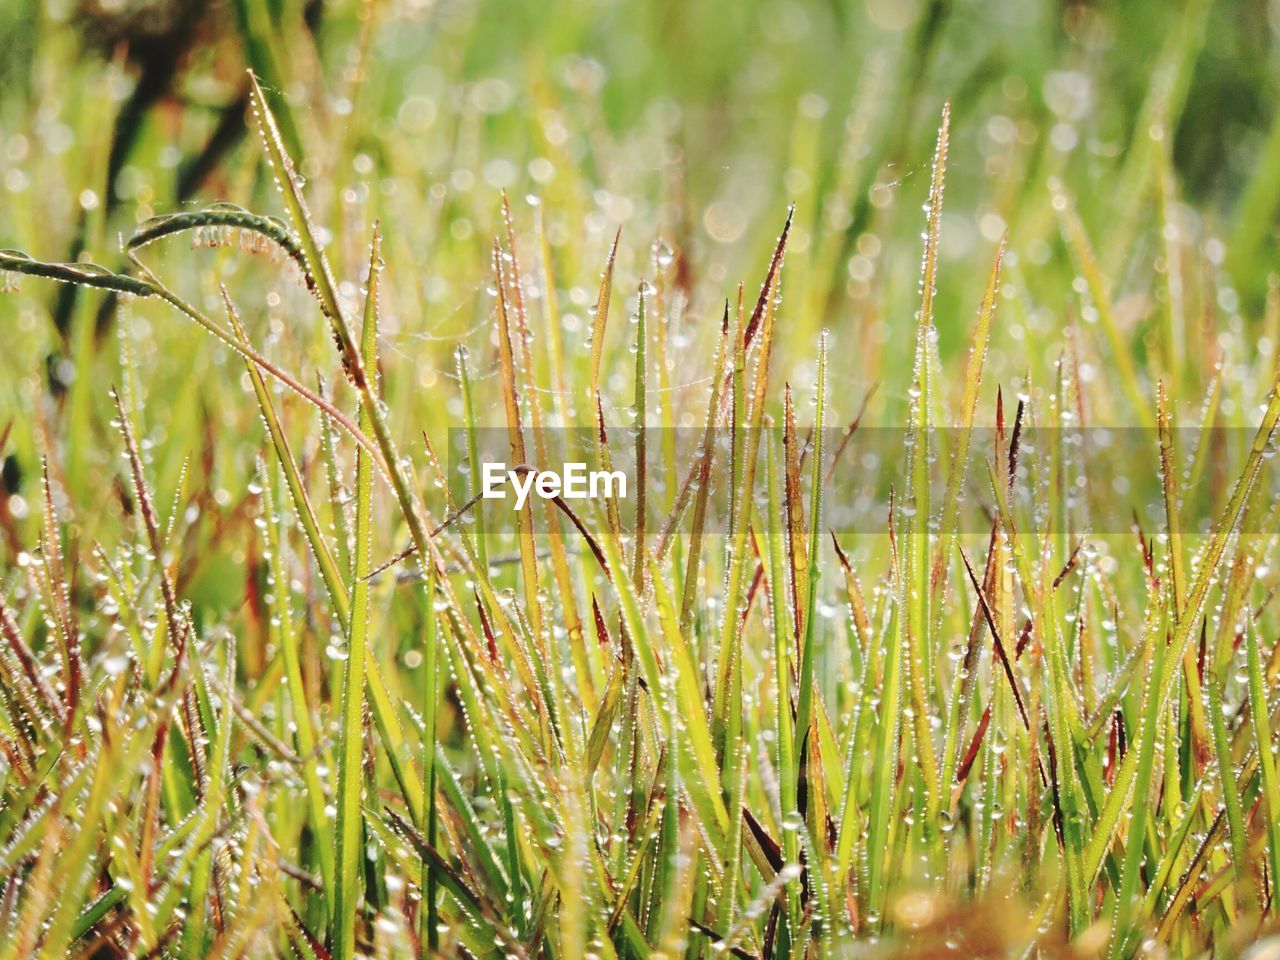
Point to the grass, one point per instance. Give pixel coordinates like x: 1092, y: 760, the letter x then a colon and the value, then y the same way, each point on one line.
x: 939, y: 619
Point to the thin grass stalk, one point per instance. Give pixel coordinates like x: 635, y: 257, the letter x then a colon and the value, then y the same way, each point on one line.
x: 794, y: 502
x: 809, y: 638
x: 337, y: 496
x: 880, y: 814
x: 203, y: 868
x: 1236, y: 834
x: 429, y: 911
x: 290, y: 649
x: 1259, y: 711
x: 481, y: 538
x: 559, y: 560
x: 1177, y: 564
x: 348, y: 825
x: 918, y: 620
x: 322, y: 280
x: 640, y: 412
x: 783, y: 646
x: 730, y: 637
x: 1155, y: 652
x: 949, y: 523
x: 524, y: 516
x: 600, y: 319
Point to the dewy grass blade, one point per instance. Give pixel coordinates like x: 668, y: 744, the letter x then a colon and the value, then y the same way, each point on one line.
x: 809, y: 627
x: 730, y: 636
x: 1060, y: 708
x: 429, y: 925
x: 1148, y: 733
x: 1173, y: 521
x: 1226, y: 773
x: 542, y: 452
x: 640, y: 411
x: 880, y: 816
x: 297, y: 491
x: 321, y: 279
x: 918, y: 624
x: 1259, y: 714
x: 968, y: 406
x: 600, y: 319
x: 783, y: 646
x: 794, y: 501
x: 337, y: 494
x: 737, y: 403
x: 319, y: 276
x: 349, y: 822
x: 517, y: 452
x: 289, y: 648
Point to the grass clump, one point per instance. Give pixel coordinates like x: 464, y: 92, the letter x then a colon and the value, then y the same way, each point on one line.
x: 917, y: 670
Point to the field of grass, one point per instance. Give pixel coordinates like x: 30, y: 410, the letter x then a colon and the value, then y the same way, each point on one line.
x: 938, y: 340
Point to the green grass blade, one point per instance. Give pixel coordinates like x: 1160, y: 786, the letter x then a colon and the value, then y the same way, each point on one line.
x: 349, y: 821
x: 919, y: 595
x: 1259, y: 713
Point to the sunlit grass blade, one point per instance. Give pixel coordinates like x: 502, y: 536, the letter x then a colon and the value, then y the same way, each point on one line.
x: 1177, y: 564
x: 881, y: 818
x: 519, y: 456
x: 956, y: 475
x: 797, y: 548
x: 349, y: 821
x: 730, y: 635
x: 1226, y: 774
x: 918, y: 626
x: 640, y: 412
x: 600, y: 319
x: 542, y: 452
x: 321, y: 280
x: 949, y: 521
x: 808, y: 627
x: 1259, y: 714
x: 1155, y: 651
x: 427, y: 815
x: 783, y: 647
x: 287, y: 637
x: 473, y: 455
